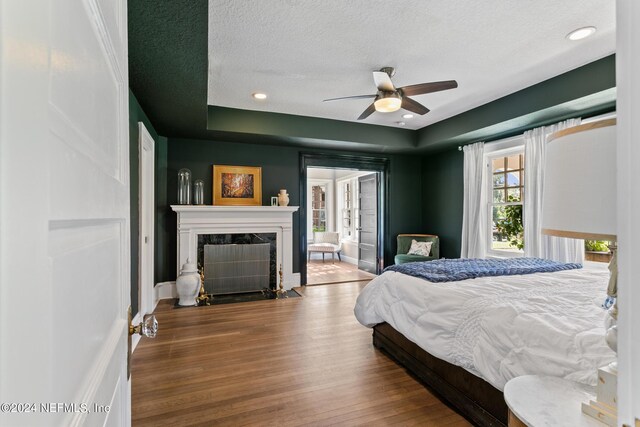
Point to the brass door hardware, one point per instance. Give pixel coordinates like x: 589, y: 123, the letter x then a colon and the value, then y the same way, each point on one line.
x: 147, y: 328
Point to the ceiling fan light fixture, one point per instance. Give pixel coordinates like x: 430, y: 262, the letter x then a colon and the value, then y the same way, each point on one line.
x: 388, y: 103
x: 581, y: 33
x: 407, y: 116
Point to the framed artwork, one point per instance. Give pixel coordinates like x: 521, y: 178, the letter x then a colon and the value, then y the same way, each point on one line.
x: 237, y: 185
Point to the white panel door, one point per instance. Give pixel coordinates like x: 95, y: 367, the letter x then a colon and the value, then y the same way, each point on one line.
x: 64, y: 213
x: 147, y: 210
x: 368, y: 223
x: 628, y: 175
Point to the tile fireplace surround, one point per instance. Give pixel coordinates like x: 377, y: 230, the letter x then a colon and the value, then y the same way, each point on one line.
x: 195, y: 220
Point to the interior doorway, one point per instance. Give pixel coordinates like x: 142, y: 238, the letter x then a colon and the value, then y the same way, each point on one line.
x: 341, y: 224
x: 146, y: 149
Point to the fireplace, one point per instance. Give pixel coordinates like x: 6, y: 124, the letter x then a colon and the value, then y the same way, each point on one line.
x: 236, y: 263
x: 238, y: 225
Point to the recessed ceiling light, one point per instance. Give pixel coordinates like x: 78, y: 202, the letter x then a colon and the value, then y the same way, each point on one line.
x: 407, y: 116
x: 400, y: 123
x: 581, y: 33
x: 259, y: 95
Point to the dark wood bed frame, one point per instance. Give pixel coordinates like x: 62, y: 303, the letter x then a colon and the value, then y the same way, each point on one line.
x: 473, y: 397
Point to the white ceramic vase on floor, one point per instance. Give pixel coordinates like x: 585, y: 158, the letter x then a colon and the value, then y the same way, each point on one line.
x: 188, y: 284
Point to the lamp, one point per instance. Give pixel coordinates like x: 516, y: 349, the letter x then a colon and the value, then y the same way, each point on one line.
x: 579, y: 202
x: 387, y: 102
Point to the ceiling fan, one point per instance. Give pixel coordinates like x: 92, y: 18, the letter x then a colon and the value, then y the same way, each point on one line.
x: 389, y: 98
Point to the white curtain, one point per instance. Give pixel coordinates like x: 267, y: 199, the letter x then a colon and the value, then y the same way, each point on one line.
x: 474, y: 222
x: 536, y: 244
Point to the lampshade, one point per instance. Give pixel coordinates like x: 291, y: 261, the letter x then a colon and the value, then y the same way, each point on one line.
x: 388, y: 103
x: 579, y: 199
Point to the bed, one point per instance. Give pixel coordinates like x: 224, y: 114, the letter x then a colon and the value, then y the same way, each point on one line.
x: 466, y: 339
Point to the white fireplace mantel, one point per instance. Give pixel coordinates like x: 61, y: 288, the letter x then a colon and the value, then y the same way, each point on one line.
x: 195, y: 220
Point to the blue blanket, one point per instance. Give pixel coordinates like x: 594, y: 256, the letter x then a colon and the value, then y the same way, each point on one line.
x: 450, y: 270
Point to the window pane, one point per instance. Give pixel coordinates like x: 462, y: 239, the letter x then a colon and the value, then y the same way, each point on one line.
x: 318, y: 204
x: 317, y: 196
x: 513, y: 195
x: 508, y: 187
x: 513, y: 162
x: 507, y: 230
x: 513, y: 179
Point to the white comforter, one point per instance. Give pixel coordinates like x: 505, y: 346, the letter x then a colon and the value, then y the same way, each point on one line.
x: 499, y: 328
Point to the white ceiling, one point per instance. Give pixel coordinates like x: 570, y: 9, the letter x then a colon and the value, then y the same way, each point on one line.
x: 300, y: 52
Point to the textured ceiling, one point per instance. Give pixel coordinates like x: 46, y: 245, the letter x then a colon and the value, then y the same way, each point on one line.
x: 300, y: 52
x: 168, y: 64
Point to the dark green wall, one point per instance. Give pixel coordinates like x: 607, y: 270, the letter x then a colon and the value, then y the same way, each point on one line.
x: 280, y: 169
x: 313, y: 132
x: 582, y: 92
x: 136, y: 115
x: 162, y: 225
x: 442, y: 189
x: 425, y: 187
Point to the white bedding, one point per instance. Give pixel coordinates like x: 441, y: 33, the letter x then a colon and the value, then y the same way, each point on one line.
x: 499, y: 328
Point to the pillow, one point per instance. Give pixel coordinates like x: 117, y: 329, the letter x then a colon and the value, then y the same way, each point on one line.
x: 420, y: 248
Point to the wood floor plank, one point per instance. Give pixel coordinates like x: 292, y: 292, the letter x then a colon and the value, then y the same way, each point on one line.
x: 293, y: 362
x: 319, y: 272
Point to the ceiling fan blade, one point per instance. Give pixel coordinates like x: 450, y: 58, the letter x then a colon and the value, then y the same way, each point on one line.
x: 413, y: 106
x: 349, y: 97
x: 423, y: 88
x: 366, y: 113
x: 383, y: 81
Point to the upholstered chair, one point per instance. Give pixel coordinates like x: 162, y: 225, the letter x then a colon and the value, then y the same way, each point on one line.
x: 325, y: 242
x: 404, y: 244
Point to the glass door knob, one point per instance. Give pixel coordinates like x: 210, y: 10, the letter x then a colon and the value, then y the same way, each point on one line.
x: 147, y: 328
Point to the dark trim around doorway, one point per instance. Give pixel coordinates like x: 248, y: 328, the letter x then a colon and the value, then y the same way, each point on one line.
x: 344, y: 161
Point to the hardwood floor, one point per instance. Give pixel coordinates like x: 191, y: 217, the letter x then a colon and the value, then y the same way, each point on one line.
x: 298, y: 361
x: 319, y: 272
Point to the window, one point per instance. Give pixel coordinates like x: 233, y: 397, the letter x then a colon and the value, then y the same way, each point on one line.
x: 506, y: 203
x: 319, y: 208
x: 347, y: 207
x: 347, y: 210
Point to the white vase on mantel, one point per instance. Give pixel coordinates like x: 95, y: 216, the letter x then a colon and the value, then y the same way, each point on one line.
x: 283, y: 198
x: 188, y: 284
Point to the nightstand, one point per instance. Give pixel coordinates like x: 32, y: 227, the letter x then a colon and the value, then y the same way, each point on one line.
x: 538, y: 401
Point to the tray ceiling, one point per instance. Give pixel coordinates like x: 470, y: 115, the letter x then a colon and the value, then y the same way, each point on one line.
x: 301, y: 52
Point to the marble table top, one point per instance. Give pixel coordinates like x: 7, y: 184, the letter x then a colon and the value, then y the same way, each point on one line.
x: 541, y: 401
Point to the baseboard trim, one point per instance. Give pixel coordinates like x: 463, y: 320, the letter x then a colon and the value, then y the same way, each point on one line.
x: 164, y: 290
x: 349, y: 260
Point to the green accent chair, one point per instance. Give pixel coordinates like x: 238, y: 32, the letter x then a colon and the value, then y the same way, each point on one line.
x: 404, y: 244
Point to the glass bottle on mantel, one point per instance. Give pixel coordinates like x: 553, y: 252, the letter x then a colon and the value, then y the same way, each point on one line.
x: 184, y: 186
x: 198, y: 192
